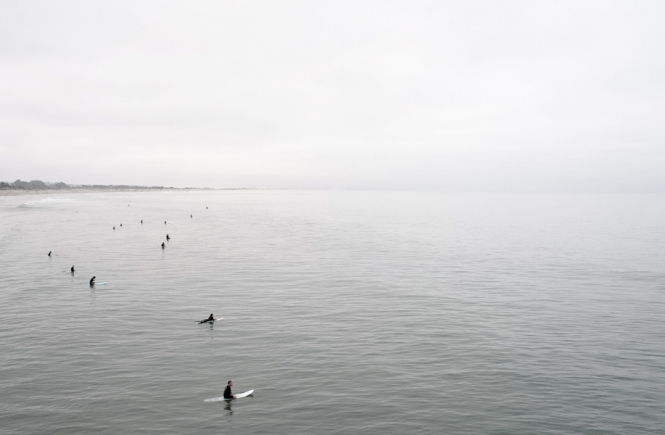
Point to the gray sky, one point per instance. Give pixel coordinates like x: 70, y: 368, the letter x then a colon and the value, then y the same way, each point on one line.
x: 490, y: 95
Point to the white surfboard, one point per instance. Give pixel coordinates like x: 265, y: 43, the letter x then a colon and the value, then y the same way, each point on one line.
x: 238, y: 396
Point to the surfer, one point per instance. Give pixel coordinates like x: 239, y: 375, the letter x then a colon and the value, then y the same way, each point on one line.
x: 49, y: 253
x: 227, y: 391
x: 113, y: 227
x: 120, y: 224
x: 72, y: 269
x: 167, y: 237
x: 164, y: 222
x: 209, y: 319
x: 141, y: 221
x: 92, y: 281
x: 163, y: 245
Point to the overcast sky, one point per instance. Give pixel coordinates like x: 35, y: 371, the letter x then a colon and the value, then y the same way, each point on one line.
x: 466, y: 95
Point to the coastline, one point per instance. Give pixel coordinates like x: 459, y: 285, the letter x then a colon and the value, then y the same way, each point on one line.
x: 21, y: 192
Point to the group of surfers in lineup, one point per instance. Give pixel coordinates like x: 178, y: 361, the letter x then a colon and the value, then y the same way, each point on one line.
x: 92, y: 280
x: 211, y: 319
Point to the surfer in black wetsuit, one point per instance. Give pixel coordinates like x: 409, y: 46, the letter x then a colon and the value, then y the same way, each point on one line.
x: 92, y: 281
x: 167, y: 237
x: 163, y: 245
x: 49, y: 253
x: 114, y: 228
x: 141, y: 221
x: 227, y: 391
x: 209, y: 319
x: 72, y: 269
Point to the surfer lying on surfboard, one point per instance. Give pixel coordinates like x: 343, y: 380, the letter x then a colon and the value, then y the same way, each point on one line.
x: 209, y: 319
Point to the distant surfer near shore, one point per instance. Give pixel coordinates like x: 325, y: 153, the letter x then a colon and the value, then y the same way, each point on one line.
x: 163, y: 245
x: 209, y: 319
x: 92, y: 281
x: 72, y: 269
x: 113, y: 227
x: 120, y: 224
x: 141, y: 221
x: 167, y: 237
x: 164, y: 222
x: 227, y: 391
x: 49, y: 253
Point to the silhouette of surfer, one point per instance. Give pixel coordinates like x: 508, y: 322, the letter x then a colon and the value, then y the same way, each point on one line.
x: 92, y: 281
x: 167, y: 237
x: 209, y: 319
x: 227, y: 391
x: 141, y: 221
x: 49, y: 253
x: 163, y: 245
x: 72, y: 269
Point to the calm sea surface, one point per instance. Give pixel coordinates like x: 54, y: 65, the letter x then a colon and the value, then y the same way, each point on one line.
x: 347, y: 312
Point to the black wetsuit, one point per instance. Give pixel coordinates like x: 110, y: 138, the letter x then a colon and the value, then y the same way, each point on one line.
x: 227, y: 392
x: 209, y: 319
x: 92, y: 281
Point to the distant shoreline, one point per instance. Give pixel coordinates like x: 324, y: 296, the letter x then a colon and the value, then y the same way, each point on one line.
x: 20, y: 192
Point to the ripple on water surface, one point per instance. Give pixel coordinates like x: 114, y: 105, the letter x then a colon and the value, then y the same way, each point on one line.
x: 347, y: 312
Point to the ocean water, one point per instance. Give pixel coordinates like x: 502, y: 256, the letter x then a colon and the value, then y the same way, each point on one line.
x: 348, y: 312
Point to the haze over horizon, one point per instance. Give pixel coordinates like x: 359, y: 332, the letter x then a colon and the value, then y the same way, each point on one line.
x: 489, y: 96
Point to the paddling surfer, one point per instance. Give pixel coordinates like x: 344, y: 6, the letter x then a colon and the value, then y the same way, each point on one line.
x: 209, y: 319
x: 227, y: 391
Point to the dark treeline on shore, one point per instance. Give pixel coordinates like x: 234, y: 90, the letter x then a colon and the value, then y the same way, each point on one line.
x: 41, y: 185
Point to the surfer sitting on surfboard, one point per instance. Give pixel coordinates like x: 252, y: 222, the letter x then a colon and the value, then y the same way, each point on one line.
x: 92, y: 280
x: 227, y: 390
x: 209, y: 319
